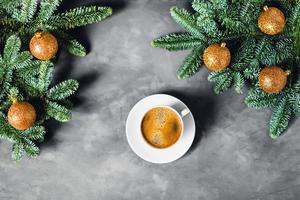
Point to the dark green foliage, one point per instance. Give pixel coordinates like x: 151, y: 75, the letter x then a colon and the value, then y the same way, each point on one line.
x: 258, y: 99
x: 63, y: 90
x: 186, y: 20
x: 30, y: 17
x: 235, y: 22
x: 22, y: 140
x: 79, y: 17
x: 190, y: 65
x: 23, y: 77
x: 70, y: 44
x: 176, y: 42
x: 223, y: 80
x: 26, y: 79
x: 280, y: 117
x: 239, y: 82
x: 58, y: 112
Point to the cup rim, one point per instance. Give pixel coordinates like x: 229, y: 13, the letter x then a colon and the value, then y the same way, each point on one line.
x: 178, y: 115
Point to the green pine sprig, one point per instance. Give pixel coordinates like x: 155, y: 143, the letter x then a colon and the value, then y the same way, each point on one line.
x: 235, y: 22
x: 30, y: 17
x: 24, y: 78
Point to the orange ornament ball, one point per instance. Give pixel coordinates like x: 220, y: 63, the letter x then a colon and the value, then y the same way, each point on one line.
x: 21, y: 115
x: 43, y: 45
x: 217, y: 57
x: 271, y: 20
x: 273, y: 79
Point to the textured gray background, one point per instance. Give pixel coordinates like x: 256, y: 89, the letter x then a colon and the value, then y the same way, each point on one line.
x: 88, y: 158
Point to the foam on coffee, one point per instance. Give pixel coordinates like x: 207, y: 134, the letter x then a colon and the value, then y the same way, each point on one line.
x: 161, y: 127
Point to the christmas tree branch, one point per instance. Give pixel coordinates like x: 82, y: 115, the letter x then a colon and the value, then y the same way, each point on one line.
x: 241, y: 27
x: 80, y: 17
x: 28, y: 9
x: 280, y: 118
x: 25, y: 80
x: 190, y: 65
x: 187, y: 21
x: 47, y: 9
x: 175, y: 42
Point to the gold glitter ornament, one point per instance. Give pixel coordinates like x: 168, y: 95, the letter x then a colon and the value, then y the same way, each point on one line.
x: 43, y: 45
x: 217, y: 57
x: 271, y: 20
x: 21, y: 115
x: 273, y: 79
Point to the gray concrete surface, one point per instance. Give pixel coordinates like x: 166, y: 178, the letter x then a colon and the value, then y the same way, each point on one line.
x: 88, y: 158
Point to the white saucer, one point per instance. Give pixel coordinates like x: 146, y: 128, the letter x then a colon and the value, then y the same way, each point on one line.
x: 138, y: 143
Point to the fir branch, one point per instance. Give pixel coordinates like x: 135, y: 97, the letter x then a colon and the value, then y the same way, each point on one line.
x: 30, y: 69
x: 238, y: 82
x: 79, y: 17
x: 17, y: 151
x: 6, y: 131
x: 25, y: 78
x: 214, y: 76
x: 220, y: 4
x: 209, y: 26
x: 23, y: 60
x: 248, y: 14
x: 9, y: 22
x: 176, y: 42
x: 245, y: 9
x: 45, y: 76
x: 187, y: 21
x: 244, y: 55
x: 63, y: 90
x: 11, y: 49
x: 294, y: 102
x: 29, y: 85
x: 206, y: 18
x: 280, y: 118
x: 295, y: 17
x: 223, y: 85
x: 35, y: 133
x: 30, y: 77
x: 284, y: 49
x: 258, y: 99
x: 296, y: 83
x: 233, y: 25
x: 30, y: 148
x: 10, y: 6
x: 235, y: 22
x: 70, y: 44
x: 7, y: 81
x: 58, y: 112
x: 190, y: 65
x: 2, y: 73
x: 28, y: 9
x: 222, y: 79
x: 252, y: 71
x: 294, y: 29
x: 203, y: 8
x: 260, y: 48
x: 14, y: 92
x: 47, y: 9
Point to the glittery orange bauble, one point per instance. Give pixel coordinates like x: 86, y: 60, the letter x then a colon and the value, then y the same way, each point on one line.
x: 21, y: 115
x: 217, y: 57
x: 273, y: 79
x: 43, y: 45
x: 271, y: 20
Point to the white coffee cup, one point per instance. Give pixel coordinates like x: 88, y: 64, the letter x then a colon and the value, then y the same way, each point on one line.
x: 180, y: 116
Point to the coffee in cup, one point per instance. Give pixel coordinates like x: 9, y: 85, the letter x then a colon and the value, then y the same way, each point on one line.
x: 161, y: 127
